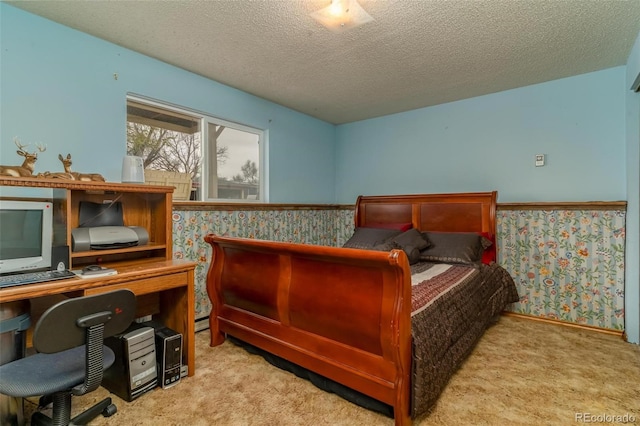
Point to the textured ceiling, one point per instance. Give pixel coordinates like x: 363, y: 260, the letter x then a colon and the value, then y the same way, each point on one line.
x: 415, y: 53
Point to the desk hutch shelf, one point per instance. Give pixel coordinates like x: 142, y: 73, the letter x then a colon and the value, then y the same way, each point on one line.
x: 143, y: 205
x: 163, y: 286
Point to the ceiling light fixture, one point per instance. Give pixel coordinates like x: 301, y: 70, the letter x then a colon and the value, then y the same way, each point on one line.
x: 342, y: 15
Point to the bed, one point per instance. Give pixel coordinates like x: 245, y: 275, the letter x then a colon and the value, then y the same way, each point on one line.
x: 346, y: 313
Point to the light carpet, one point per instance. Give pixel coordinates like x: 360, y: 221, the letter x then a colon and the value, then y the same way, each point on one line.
x: 522, y: 372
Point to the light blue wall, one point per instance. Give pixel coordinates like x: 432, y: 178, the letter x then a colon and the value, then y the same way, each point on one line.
x: 632, y: 263
x: 588, y: 126
x: 57, y: 87
x: 489, y: 142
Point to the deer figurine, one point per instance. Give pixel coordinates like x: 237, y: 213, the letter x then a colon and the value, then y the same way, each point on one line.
x: 26, y: 169
x: 66, y: 162
x: 56, y: 175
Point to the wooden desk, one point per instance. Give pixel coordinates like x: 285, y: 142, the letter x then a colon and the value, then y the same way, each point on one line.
x: 165, y: 288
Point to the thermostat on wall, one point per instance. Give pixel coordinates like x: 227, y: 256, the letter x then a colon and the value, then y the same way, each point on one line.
x: 539, y: 160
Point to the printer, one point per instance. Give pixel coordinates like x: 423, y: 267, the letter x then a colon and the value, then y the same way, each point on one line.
x: 107, y: 237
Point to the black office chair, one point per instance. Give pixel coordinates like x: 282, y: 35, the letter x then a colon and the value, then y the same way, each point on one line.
x: 71, y: 355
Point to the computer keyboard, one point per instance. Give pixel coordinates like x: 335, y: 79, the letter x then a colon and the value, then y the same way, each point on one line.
x: 34, y: 277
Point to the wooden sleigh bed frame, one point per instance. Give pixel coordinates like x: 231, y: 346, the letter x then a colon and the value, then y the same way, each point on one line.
x: 342, y: 313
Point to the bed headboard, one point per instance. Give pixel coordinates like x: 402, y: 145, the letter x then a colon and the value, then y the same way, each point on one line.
x: 459, y: 212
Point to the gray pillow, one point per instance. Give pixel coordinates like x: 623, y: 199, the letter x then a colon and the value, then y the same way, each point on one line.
x: 381, y: 239
x: 413, y: 238
x: 411, y: 241
x: 454, y: 247
x: 368, y: 238
x: 413, y: 254
x: 385, y: 246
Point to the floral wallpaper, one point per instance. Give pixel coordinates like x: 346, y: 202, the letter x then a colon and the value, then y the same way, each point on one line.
x: 568, y: 265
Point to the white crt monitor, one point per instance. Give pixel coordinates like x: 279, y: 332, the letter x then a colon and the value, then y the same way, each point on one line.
x: 26, y: 234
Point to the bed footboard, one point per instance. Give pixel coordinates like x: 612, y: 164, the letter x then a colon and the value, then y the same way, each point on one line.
x: 342, y: 313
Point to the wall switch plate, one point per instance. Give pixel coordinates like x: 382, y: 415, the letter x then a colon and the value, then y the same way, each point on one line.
x: 539, y: 160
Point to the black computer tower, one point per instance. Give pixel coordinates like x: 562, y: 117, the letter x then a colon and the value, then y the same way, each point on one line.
x: 168, y: 353
x: 134, y: 371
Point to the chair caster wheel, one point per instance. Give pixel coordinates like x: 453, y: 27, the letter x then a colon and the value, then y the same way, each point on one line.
x: 109, y: 410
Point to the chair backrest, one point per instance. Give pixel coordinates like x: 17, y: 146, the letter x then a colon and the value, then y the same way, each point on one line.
x: 63, y: 326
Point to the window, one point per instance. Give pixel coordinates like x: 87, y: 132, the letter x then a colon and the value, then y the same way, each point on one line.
x: 227, y: 166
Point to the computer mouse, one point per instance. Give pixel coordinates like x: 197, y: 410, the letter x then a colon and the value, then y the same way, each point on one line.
x: 90, y: 268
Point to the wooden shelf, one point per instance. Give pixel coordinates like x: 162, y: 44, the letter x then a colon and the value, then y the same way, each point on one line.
x: 145, y: 248
x: 147, y: 206
x: 164, y: 287
x: 77, y: 185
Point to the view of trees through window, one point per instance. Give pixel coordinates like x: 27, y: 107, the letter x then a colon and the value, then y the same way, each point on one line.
x: 172, y: 141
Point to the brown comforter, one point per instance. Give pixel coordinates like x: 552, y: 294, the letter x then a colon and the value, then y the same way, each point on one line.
x: 450, y: 313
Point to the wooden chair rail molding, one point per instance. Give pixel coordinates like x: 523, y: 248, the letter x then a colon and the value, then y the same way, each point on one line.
x: 565, y: 205
x: 556, y: 205
x: 213, y: 206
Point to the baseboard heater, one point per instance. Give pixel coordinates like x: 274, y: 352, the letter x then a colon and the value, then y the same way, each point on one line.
x: 202, y: 323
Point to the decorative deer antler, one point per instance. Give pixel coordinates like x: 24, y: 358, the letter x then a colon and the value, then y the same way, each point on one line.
x: 66, y: 162
x: 41, y: 147
x: 26, y: 169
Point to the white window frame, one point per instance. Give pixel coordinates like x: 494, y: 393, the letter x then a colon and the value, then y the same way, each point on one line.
x: 205, y: 121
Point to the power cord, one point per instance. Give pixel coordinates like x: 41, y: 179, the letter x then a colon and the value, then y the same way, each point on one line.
x: 103, y: 211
